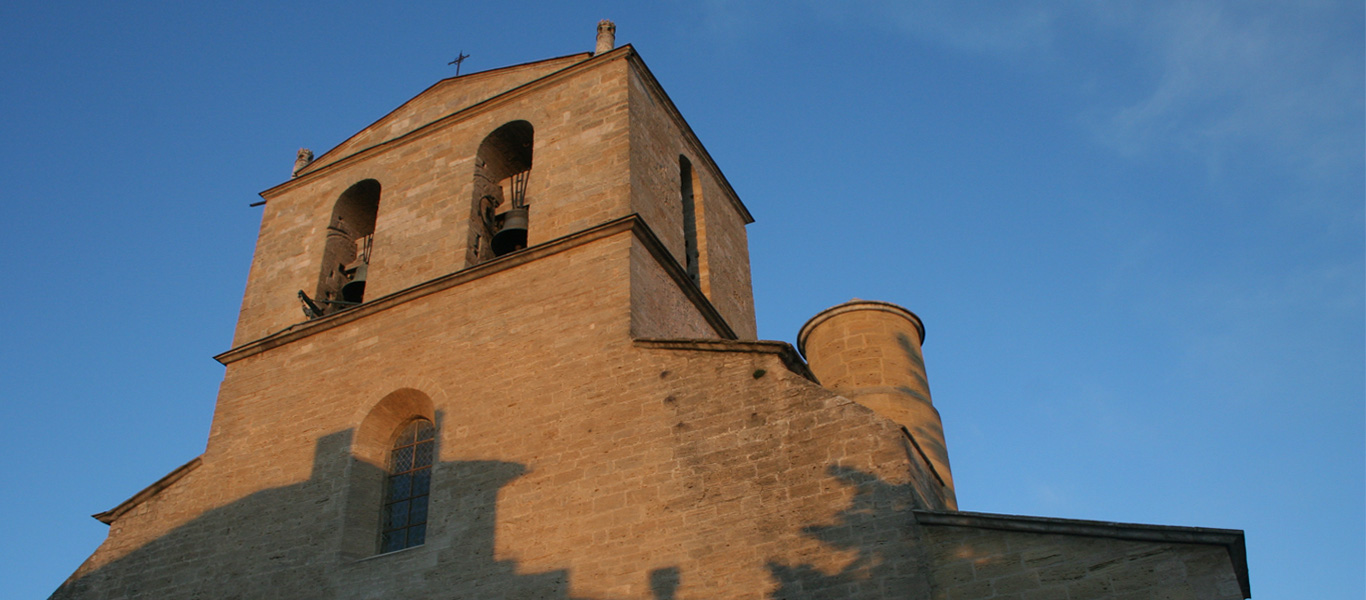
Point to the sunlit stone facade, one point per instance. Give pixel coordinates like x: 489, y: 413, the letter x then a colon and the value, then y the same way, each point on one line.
x: 602, y: 421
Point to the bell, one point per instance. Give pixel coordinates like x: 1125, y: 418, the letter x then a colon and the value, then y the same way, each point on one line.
x: 354, y: 290
x: 512, y: 236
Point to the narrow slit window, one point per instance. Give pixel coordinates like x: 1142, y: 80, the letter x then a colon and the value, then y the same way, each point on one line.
x: 408, y: 487
x: 689, y: 204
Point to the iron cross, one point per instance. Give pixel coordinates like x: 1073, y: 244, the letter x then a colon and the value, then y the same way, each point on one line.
x: 457, y: 61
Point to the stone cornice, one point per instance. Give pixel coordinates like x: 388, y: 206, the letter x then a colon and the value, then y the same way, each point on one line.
x: 782, y: 350
x: 109, y: 516
x: 632, y: 223
x: 684, y: 282
x: 854, y: 305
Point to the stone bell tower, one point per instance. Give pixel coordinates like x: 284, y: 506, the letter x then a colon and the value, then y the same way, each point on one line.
x: 484, y: 165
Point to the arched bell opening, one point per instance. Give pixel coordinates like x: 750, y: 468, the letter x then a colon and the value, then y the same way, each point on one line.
x: 346, y: 253
x: 499, y: 215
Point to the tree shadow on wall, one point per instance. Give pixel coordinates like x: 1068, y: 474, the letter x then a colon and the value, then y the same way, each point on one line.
x: 879, y: 527
x: 291, y: 542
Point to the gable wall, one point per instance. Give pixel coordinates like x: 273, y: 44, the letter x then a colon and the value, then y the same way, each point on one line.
x: 445, y: 98
x: 578, y: 179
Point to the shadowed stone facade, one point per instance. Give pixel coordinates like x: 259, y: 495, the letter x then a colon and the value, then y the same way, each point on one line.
x: 607, y: 425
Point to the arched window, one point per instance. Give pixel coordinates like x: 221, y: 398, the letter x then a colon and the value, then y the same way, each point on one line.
x: 404, y: 520
x: 498, y: 212
x: 686, y: 191
x: 346, y: 253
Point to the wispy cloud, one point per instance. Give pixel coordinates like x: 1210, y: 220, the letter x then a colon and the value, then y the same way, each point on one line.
x: 1210, y: 79
x: 972, y: 27
x: 1230, y: 80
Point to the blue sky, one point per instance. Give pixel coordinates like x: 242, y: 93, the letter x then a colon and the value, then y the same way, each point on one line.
x: 1135, y: 231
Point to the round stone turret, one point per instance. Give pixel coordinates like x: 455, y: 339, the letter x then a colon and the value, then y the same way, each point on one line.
x: 869, y: 352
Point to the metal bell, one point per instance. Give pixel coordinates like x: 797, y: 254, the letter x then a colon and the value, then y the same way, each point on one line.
x: 354, y: 290
x: 512, y: 236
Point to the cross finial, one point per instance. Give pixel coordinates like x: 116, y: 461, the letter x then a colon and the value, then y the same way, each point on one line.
x: 459, y: 59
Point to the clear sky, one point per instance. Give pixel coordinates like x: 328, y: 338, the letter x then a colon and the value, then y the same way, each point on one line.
x: 1134, y: 230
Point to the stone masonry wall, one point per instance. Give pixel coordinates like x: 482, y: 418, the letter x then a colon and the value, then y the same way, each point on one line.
x: 573, y: 463
x: 579, y: 179
x: 657, y: 141
x: 981, y: 564
x: 659, y: 309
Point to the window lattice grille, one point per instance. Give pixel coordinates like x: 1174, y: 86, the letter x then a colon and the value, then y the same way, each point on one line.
x: 405, y: 494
